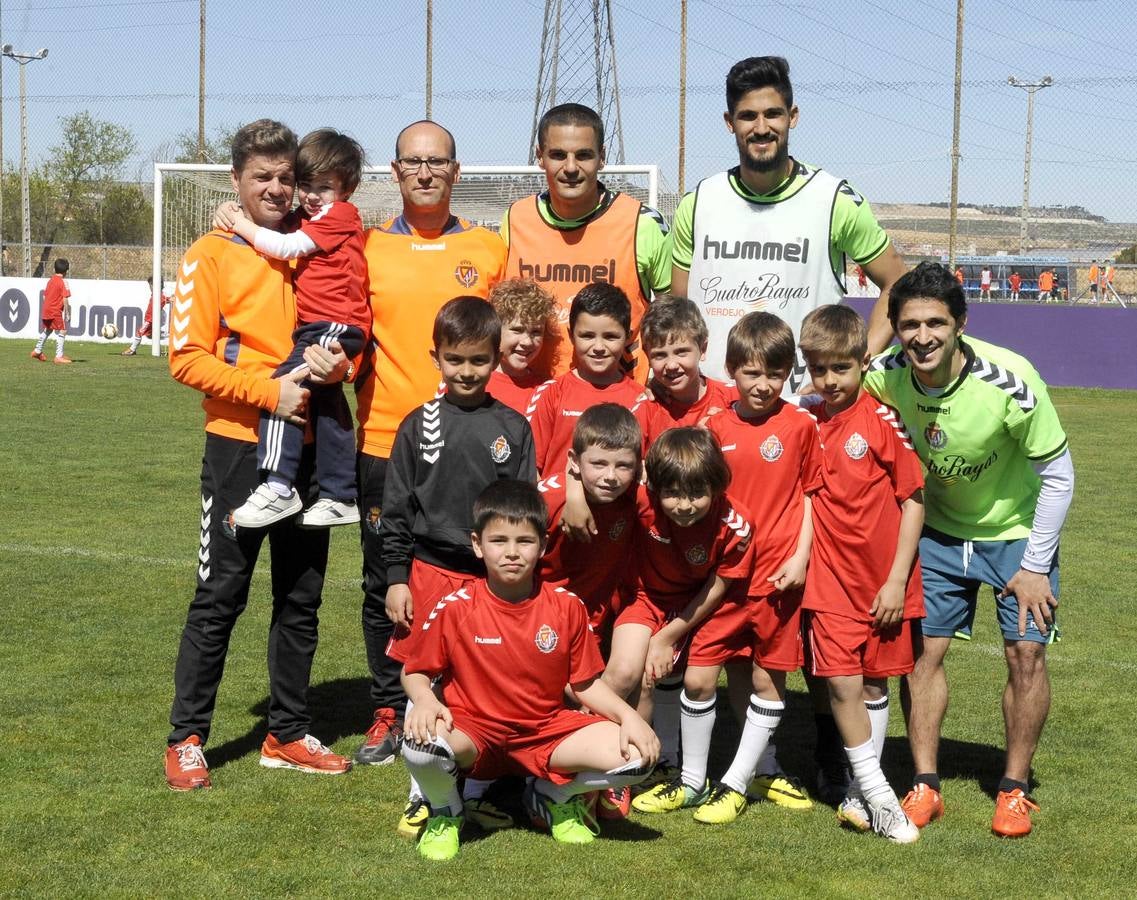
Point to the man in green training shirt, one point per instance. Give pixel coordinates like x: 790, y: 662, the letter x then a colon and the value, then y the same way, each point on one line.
x: 772, y: 233
x: 999, y: 483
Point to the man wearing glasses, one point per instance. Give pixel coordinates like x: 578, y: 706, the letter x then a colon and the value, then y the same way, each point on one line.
x: 416, y: 262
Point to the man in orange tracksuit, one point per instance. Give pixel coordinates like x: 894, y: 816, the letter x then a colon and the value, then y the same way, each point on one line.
x: 231, y: 326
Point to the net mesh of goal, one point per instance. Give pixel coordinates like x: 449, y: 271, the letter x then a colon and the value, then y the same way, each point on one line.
x: 191, y: 193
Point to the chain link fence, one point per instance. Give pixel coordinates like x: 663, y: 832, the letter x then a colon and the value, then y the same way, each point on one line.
x: 873, y: 80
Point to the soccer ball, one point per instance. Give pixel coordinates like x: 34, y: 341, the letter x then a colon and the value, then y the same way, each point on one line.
x: 109, y: 331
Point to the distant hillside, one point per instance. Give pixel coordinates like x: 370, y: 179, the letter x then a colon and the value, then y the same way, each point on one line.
x: 1036, y: 212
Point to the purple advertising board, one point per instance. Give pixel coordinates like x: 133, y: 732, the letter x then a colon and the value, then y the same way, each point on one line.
x: 1071, y: 346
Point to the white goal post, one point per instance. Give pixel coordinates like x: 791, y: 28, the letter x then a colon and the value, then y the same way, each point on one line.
x: 186, y: 194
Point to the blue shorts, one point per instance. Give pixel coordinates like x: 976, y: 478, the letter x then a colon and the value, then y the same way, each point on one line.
x: 953, y: 570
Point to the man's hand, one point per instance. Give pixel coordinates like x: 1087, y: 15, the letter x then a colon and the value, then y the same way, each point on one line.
x: 421, y: 724
x: 227, y: 215
x: 1032, y: 591
x: 327, y: 365
x: 400, y: 608
x: 293, y: 401
x: 888, y: 605
x: 636, y: 735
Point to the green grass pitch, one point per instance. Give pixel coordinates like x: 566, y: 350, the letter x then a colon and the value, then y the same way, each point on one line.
x: 97, y: 556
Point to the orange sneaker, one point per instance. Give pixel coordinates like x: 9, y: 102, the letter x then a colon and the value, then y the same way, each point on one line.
x: 306, y: 754
x: 186, y: 769
x: 923, y: 805
x: 614, y: 804
x: 1012, y: 814
x: 63, y: 360
x: 37, y: 355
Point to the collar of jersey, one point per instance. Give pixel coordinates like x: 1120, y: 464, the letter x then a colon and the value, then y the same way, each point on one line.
x: 793, y: 183
x: 400, y: 225
x: 545, y: 208
x: 968, y: 365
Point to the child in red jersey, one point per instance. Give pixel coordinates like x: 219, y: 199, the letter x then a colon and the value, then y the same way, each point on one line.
x: 525, y: 309
x: 774, y: 455
x: 605, y: 457
x: 694, y: 543
x: 331, y: 307
x: 599, y: 324
x: 147, y: 328
x: 864, y: 589
x: 505, y: 648
x: 56, y: 313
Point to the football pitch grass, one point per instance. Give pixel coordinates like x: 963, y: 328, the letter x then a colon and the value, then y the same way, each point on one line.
x: 98, y: 551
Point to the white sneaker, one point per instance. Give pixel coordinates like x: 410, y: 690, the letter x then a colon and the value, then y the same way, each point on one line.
x: 265, y: 507
x: 326, y: 512
x: 892, y: 822
x: 854, y: 813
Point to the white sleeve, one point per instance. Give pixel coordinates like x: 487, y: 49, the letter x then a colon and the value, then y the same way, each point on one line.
x: 1050, y: 512
x: 284, y: 246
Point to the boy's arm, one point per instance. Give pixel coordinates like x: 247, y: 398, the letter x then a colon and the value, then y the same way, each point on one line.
x: 634, y: 731
x: 542, y: 416
x: 791, y: 575
x: 576, y: 518
x: 661, y: 647
x: 421, y: 723
x: 888, y: 604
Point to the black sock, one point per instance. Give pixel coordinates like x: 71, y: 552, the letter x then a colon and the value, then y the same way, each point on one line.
x: 1009, y: 784
x: 931, y: 779
x: 830, y: 748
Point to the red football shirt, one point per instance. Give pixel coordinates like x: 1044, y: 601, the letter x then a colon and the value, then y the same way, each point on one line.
x: 656, y: 416
x: 774, y: 462
x: 676, y: 562
x: 53, y: 296
x: 598, y: 571
x: 557, y: 406
x: 507, y: 662
x: 331, y: 283
x: 514, y: 392
x: 869, y: 469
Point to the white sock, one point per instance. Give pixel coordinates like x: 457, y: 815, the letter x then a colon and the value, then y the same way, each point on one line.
x: 870, y: 778
x: 42, y: 340
x: 697, y: 721
x: 665, y: 721
x: 762, y: 718
x: 135, y: 343
x: 282, y: 486
x: 414, y: 790
x: 58, y: 344
x: 878, y: 721
x: 629, y: 773
x: 475, y: 788
x: 433, y: 765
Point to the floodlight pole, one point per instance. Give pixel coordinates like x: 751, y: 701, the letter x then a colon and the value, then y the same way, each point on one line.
x: 953, y: 223
x: 682, y: 96
x: 25, y: 200
x: 1031, y: 88
x: 201, y: 82
x: 429, y: 60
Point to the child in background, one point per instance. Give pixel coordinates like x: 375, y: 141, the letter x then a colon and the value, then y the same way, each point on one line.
x: 331, y: 307
x: 525, y: 309
x: 599, y: 323
x: 56, y: 313
x: 505, y: 648
x: 864, y: 590
x: 148, y: 319
x: 694, y: 543
x: 444, y: 454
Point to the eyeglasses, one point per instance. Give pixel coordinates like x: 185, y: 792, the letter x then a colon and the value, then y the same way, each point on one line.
x: 439, y: 165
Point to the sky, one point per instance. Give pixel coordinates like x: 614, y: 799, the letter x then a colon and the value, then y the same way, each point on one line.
x: 873, y: 84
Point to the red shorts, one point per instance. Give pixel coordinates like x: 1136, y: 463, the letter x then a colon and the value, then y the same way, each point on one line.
x: 766, y: 630
x: 642, y: 611
x: 428, y: 584
x: 505, y: 750
x: 55, y: 323
x: 842, y: 646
